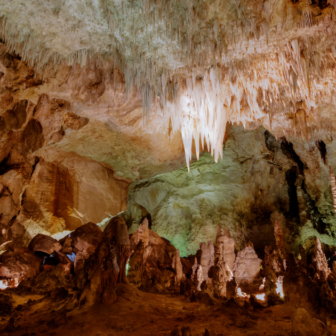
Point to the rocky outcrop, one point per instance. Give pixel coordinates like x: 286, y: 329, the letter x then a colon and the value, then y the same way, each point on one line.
x: 155, y: 264
x: 106, y: 266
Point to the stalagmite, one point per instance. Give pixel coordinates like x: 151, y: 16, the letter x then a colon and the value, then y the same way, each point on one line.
x: 247, y: 266
x: 206, y: 258
x: 225, y: 245
x: 194, y: 270
x: 279, y: 239
x: 177, y: 266
x: 320, y: 261
x: 199, y: 277
x: 333, y: 186
x: 221, y: 275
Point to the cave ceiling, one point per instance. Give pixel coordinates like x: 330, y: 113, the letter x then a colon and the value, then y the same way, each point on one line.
x: 152, y: 70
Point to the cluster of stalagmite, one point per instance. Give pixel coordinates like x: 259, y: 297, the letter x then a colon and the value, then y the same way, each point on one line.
x: 93, y: 263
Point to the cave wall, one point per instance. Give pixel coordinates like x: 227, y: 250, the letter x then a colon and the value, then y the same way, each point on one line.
x: 259, y: 179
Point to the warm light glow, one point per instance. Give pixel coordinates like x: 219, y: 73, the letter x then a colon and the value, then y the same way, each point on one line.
x: 261, y: 297
x: 279, y: 286
x: 3, y: 284
x: 242, y: 294
x: 127, y: 266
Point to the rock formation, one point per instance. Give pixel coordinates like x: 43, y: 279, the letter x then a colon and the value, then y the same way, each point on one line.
x: 106, y: 266
x: 141, y: 234
x: 154, y: 262
x: 320, y: 261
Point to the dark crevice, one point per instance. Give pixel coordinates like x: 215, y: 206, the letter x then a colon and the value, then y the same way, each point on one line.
x: 291, y: 176
x: 5, y: 165
x: 313, y: 212
x: 37, y: 160
x: 323, y: 150
x: 270, y: 141
x: 288, y: 150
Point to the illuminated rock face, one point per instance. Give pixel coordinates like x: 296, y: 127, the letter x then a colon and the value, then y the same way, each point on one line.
x: 258, y: 179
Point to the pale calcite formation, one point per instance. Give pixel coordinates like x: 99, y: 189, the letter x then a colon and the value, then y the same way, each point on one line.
x: 207, y: 258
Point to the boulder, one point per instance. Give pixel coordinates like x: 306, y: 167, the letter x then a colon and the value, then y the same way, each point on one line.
x: 19, y: 264
x: 43, y: 243
x: 86, y: 238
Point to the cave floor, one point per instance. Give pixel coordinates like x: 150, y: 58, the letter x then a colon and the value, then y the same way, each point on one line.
x: 139, y: 313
